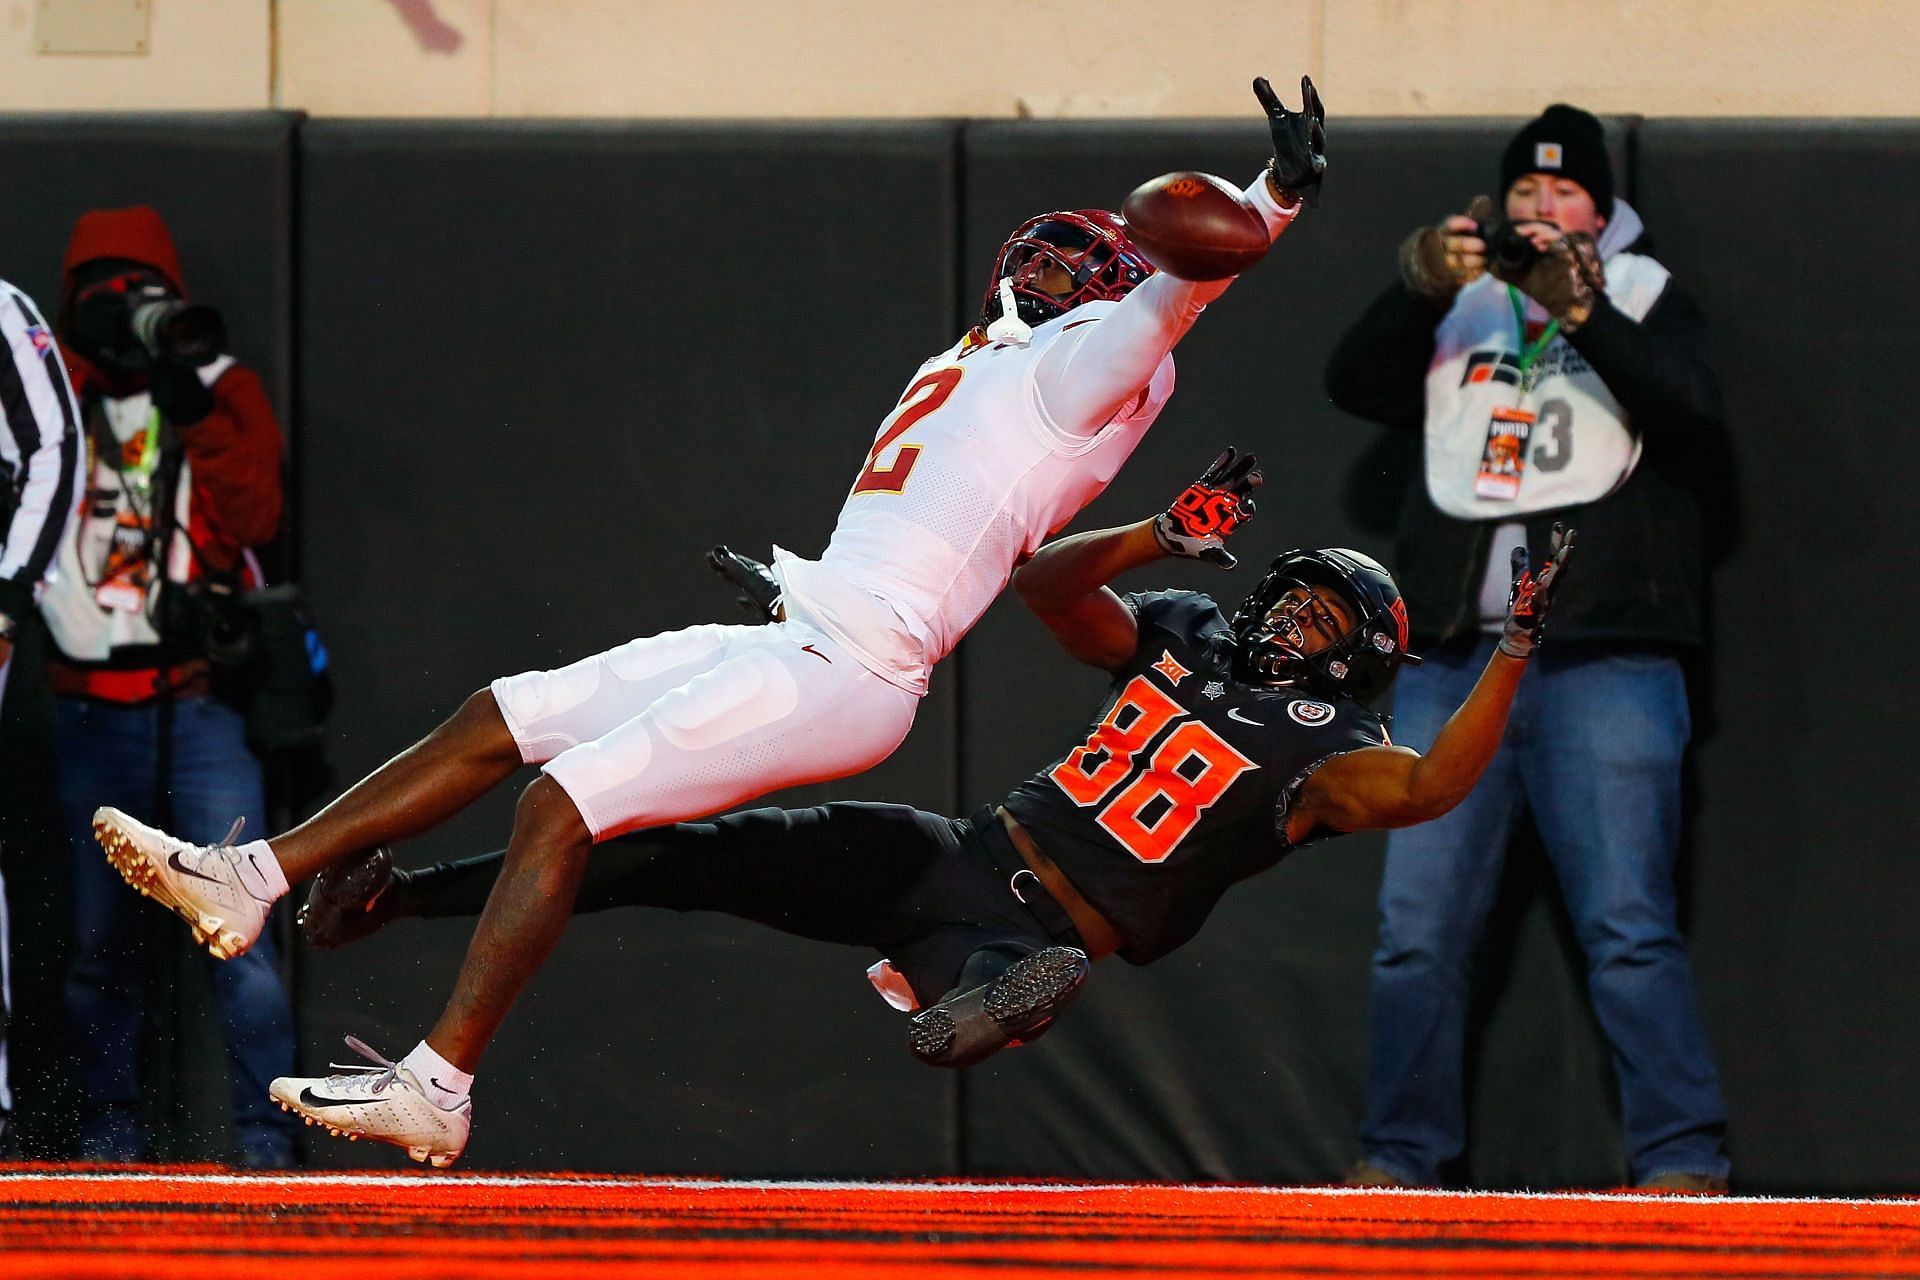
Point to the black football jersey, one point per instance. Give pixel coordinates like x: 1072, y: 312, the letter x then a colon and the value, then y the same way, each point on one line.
x: 1182, y: 786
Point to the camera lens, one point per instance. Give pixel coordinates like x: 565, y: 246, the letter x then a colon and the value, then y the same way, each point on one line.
x: 192, y: 334
x: 1508, y: 248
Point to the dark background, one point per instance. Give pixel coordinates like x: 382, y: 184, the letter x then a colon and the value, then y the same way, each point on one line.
x: 531, y: 370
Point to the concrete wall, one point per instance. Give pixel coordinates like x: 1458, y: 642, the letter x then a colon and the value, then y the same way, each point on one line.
x: 1047, y: 58
x: 202, y: 55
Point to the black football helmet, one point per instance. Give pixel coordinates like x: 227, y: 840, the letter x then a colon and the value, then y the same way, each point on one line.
x: 1360, y: 663
x: 1091, y: 245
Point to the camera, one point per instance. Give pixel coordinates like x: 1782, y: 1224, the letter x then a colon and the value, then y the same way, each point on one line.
x: 1509, y: 251
x: 211, y: 619
x: 169, y: 326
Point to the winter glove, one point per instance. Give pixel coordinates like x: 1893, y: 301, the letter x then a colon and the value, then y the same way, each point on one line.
x: 1530, y: 597
x: 1565, y: 278
x: 1200, y: 520
x: 1299, y: 140
x: 1435, y: 261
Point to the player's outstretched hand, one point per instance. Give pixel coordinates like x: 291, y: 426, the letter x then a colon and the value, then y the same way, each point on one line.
x: 1200, y: 520
x: 759, y: 592
x: 1299, y: 140
x: 1531, y: 595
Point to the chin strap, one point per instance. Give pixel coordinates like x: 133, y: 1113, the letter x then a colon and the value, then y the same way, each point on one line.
x: 1009, y: 327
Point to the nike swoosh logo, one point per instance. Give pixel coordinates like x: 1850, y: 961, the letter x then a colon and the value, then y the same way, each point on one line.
x: 1233, y: 713
x: 255, y: 864
x: 313, y: 1099
x: 807, y: 648
x: 443, y: 1088
x: 173, y: 860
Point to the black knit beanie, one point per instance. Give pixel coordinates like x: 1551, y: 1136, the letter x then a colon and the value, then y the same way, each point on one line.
x: 1567, y: 141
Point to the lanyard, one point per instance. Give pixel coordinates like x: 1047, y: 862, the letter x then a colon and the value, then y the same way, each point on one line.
x: 1530, y: 352
x: 114, y: 454
x: 137, y: 483
x: 138, y: 478
x: 150, y: 446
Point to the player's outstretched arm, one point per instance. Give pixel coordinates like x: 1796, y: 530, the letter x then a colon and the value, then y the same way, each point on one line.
x: 1090, y: 374
x: 1065, y: 584
x: 1383, y: 787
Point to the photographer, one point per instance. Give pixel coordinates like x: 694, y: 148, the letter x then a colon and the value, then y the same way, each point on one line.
x: 182, y: 461
x: 1554, y: 371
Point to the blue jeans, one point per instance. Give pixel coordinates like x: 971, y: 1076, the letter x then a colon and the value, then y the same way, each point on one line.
x: 107, y: 756
x: 1593, y: 752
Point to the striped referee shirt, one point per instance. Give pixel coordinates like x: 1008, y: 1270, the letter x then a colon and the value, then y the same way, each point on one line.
x: 39, y: 452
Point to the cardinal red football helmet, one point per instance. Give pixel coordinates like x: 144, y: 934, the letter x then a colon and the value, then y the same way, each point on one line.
x: 1091, y: 245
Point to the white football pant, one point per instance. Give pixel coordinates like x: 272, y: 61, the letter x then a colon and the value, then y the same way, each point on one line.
x: 690, y: 723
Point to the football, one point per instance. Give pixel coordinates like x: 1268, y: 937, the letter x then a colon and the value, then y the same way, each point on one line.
x: 1195, y: 226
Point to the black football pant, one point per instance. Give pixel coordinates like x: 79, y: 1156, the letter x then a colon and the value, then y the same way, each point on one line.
x: 925, y: 891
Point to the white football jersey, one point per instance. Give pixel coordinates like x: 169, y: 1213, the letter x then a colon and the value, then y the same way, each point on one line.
x: 993, y: 447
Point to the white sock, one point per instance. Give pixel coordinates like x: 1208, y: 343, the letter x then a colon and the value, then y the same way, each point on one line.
x: 260, y: 873
x: 446, y: 1085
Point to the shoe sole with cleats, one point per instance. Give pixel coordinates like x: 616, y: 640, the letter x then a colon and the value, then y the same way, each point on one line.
x: 137, y: 868
x: 1028, y: 995
x: 421, y: 1155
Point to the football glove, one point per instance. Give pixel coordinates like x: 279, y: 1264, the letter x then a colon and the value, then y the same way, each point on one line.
x: 1530, y: 596
x: 1199, y: 521
x: 759, y: 592
x: 1299, y: 140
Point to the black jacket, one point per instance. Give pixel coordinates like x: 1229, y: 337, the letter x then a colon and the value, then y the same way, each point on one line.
x: 1639, y: 575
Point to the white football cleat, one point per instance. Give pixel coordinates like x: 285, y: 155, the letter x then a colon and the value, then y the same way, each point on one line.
x: 383, y: 1103
x: 201, y: 884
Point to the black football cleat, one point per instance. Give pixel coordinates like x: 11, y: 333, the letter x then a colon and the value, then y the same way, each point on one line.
x: 352, y: 899
x: 971, y: 1026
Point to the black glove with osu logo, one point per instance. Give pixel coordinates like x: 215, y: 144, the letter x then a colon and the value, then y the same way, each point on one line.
x: 1531, y: 596
x: 1199, y: 521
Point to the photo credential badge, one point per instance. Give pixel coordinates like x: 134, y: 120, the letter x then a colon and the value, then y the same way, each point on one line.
x: 1505, y: 458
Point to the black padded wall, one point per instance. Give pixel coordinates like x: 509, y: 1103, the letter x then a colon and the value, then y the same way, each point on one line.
x: 1806, y: 892
x: 546, y: 366
x: 225, y: 185
x: 1242, y: 1056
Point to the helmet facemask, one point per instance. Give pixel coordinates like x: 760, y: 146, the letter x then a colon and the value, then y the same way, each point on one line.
x: 1300, y: 610
x: 1090, y: 247
x: 1270, y: 629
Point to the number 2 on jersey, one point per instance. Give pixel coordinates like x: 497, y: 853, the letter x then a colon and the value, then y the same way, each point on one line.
x: 922, y: 398
x: 1192, y: 769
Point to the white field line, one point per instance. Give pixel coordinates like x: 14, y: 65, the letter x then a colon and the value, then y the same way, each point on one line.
x: 509, y: 1181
